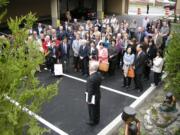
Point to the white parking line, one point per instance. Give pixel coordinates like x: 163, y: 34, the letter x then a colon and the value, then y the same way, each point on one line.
x: 103, y: 87
x: 37, y: 117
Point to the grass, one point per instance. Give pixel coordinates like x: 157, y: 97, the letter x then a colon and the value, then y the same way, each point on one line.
x: 175, y: 27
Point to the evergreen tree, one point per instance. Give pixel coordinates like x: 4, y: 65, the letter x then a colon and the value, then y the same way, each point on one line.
x: 3, y: 10
x: 172, y: 65
x: 19, y: 58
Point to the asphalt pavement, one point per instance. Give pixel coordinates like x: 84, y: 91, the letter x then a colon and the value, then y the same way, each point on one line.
x: 68, y: 110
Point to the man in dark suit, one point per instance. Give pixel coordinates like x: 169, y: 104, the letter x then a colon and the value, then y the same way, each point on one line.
x: 93, y: 51
x: 139, y: 67
x: 52, y: 55
x: 84, y: 57
x: 39, y: 29
x: 93, y: 93
x: 64, y: 54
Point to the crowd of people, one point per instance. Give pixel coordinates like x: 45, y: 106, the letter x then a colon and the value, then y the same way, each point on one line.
x: 119, y: 44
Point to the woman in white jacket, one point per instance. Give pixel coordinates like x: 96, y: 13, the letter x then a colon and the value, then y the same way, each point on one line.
x: 158, y: 63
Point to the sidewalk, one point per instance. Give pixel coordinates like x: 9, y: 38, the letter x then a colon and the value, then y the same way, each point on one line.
x: 153, y: 10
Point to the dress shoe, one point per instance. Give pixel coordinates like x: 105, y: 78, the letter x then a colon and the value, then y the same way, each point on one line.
x: 91, y: 123
x: 139, y: 91
x: 135, y: 88
x: 85, y: 75
x: 102, y: 77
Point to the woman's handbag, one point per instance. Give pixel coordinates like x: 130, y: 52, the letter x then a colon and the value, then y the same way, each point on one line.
x: 104, y: 67
x: 131, y: 73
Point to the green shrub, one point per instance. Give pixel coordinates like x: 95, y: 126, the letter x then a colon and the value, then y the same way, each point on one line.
x: 172, y: 62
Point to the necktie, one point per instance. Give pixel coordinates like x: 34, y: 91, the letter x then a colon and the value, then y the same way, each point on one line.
x: 65, y: 49
x: 139, y: 36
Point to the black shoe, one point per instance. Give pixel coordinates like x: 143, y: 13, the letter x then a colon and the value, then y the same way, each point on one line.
x: 146, y: 79
x: 127, y: 87
x: 91, y: 123
x: 102, y: 77
x: 85, y: 75
x: 135, y: 88
x: 123, y: 86
x: 139, y: 91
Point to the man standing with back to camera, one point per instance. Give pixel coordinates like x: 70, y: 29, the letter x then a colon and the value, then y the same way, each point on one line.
x: 93, y: 94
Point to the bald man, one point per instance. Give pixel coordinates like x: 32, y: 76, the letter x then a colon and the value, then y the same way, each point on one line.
x: 93, y: 94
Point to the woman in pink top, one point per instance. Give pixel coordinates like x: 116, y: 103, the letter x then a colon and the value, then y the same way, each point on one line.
x: 102, y: 53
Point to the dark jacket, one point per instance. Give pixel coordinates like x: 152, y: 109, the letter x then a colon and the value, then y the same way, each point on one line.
x: 151, y: 52
x: 139, y: 63
x: 140, y: 36
x: 62, y: 51
x: 93, y: 86
x: 94, y: 54
x: 112, y: 52
x: 84, y: 52
x: 53, y: 52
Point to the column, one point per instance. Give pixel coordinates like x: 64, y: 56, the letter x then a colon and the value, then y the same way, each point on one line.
x: 177, y: 7
x: 100, y: 9
x: 55, y: 12
x: 123, y: 6
x: 126, y: 6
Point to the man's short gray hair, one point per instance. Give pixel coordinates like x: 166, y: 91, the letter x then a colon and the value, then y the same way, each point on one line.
x: 93, y: 66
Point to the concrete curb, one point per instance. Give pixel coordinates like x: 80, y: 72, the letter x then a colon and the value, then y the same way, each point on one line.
x: 115, y: 124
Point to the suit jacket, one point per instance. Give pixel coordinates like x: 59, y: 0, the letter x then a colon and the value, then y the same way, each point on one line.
x: 53, y: 52
x: 112, y: 52
x: 140, y: 38
x: 75, y: 26
x: 94, y: 53
x: 84, y: 52
x: 139, y: 63
x: 61, y: 34
x: 65, y: 27
x: 62, y: 51
x: 151, y: 52
x: 37, y: 30
x: 93, y: 86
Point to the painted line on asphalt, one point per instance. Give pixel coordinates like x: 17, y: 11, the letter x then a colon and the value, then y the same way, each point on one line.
x: 37, y: 117
x: 108, y: 130
x: 103, y: 87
